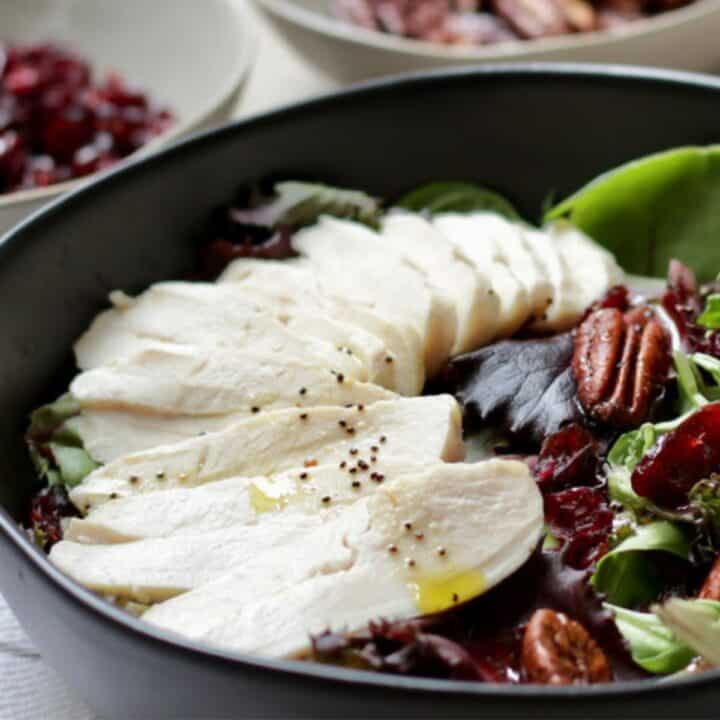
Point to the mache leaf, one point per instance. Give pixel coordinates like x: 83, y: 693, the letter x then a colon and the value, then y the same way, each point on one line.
x: 458, y: 197
x: 652, y: 644
x: 654, y: 209
x: 627, y: 575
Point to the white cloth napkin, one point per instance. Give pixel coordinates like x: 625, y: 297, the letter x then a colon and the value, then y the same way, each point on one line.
x: 29, y: 689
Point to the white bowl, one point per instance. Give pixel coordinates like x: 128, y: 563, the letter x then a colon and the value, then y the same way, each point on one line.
x: 188, y: 55
x: 681, y: 39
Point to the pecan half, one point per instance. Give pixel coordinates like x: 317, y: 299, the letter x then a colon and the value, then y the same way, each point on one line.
x: 710, y: 589
x: 559, y: 651
x: 532, y: 18
x: 620, y: 363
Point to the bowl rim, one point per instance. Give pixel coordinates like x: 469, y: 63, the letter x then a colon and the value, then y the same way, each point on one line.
x: 318, y: 22
x: 237, y: 74
x: 121, y: 621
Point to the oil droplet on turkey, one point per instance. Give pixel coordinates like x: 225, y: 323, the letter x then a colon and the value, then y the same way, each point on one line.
x: 437, y: 592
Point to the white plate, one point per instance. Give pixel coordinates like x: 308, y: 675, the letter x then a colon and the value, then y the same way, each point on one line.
x: 190, y: 55
x: 681, y: 39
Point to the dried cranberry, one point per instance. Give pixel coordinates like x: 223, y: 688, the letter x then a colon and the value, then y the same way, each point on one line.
x: 22, y: 80
x: 48, y: 99
x: 567, y: 458
x: 680, y: 459
x: 12, y: 159
x: 47, y: 509
x: 581, y: 518
x: 617, y: 297
x: 68, y: 130
x: 683, y: 302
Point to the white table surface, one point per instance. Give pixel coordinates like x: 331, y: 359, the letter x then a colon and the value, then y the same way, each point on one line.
x: 29, y: 689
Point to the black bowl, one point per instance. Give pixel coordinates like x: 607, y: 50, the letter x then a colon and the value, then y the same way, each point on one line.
x: 524, y: 131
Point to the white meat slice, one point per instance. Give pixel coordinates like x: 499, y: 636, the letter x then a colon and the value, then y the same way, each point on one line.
x: 480, y: 523
x: 352, y: 260
x: 424, y: 428
x: 480, y: 240
x: 214, y: 316
x: 580, y: 271
x: 236, y: 501
x: 446, y: 268
x: 295, y: 283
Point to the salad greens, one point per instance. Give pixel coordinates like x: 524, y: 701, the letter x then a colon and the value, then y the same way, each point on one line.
x: 298, y: 204
x: 652, y: 210
x: 710, y: 317
x: 695, y: 622
x: 652, y: 644
x: 628, y: 575
x: 457, y: 197
x: 56, y: 449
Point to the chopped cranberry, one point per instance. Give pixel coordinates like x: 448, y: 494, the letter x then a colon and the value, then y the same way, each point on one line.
x: 680, y: 459
x: 617, y: 297
x: 684, y: 302
x: 41, y: 171
x: 68, y: 130
x: 568, y: 457
x: 48, y: 99
x: 12, y: 159
x: 22, y: 80
x: 581, y: 518
x: 47, y: 509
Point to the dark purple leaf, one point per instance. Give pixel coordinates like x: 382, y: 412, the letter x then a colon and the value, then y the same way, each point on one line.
x: 526, y: 386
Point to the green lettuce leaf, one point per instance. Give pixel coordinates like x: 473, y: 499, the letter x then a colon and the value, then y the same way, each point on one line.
x: 695, y: 622
x: 652, y: 644
x: 710, y: 317
x: 301, y: 203
x: 630, y: 448
x: 56, y: 448
x: 628, y: 575
x: 654, y: 209
x: 457, y: 197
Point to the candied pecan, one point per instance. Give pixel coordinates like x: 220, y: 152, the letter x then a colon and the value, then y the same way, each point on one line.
x: 559, y: 651
x: 532, y: 18
x: 710, y: 589
x: 580, y: 15
x: 620, y: 362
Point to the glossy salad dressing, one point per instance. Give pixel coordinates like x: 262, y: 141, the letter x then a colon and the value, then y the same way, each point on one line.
x: 434, y: 593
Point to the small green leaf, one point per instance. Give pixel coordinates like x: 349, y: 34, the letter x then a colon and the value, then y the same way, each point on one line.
x: 654, y: 209
x: 299, y: 204
x: 710, y: 317
x: 621, y: 490
x: 629, y: 448
x: 48, y: 418
x: 458, y: 197
x: 56, y: 449
x: 695, y: 622
x: 628, y: 575
x: 652, y: 644
x: 709, y: 364
x: 73, y: 463
x: 690, y: 383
